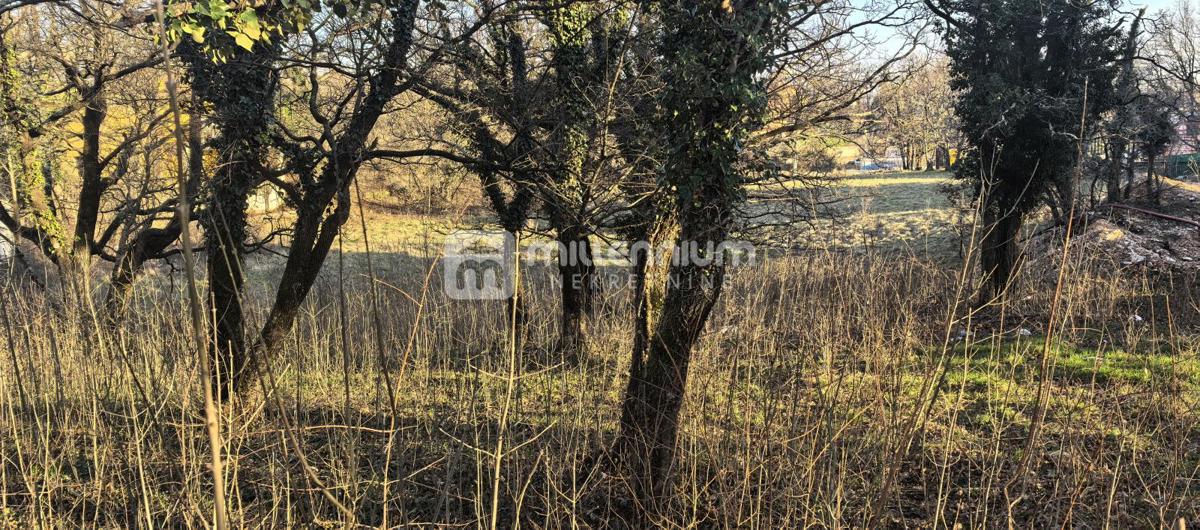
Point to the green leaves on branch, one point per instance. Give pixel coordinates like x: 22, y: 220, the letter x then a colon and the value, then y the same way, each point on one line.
x: 220, y: 25
x: 223, y: 27
x: 568, y: 22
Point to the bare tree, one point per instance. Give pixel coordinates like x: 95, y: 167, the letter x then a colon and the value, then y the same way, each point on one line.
x: 1169, y: 64
x: 916, y: 113
x: 1172, y: 58
x: 353, y: 70
x: 118, y: 197
x: 545, y: 125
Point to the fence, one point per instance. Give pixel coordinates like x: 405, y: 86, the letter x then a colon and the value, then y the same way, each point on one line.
x: 1180, y: 165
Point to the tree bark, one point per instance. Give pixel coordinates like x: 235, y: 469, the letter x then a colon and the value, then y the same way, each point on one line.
x: 225, y: 235
x: 654, y: 396
x: 1116, y: 154
x: 314, y: 237
x: 1152, y: 188
x: 1129, y: 184
x: 999, y: 256
x: 646, y: 270
x: 576, y: 272
x: 241, y: 92
x: 92, y: 186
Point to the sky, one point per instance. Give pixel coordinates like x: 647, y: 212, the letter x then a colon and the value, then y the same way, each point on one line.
x: 890, y: 41
x: 1155, y: 5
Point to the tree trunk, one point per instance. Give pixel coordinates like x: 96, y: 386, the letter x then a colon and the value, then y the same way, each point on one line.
x: 702, y: 171
x: 315, y: 231
x: 646, y: 445
x: 999, y: 256
x: 1067, y: 195
x: 641, y: 318
x: 1129, y: 175
x: 313, y: 238
x: 241, y: 93
x: 515, y: 310
x: 650, y: 412
x: 646, y: 270
x: 91, y: 188
x: 119, y: 285
x: 1152, y: 189
x: 576, y: 273
x: 513, y: 215
x: 225, y: 235
x: 1116, y: 154
x: 1060, y: 219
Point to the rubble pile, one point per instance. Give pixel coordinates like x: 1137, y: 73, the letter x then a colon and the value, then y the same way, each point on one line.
x: 1137, y: 236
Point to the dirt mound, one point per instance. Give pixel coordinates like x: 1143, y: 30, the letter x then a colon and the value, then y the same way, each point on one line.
x: 1136, y: 236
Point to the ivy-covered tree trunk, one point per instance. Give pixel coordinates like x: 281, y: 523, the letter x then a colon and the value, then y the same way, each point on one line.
x: 225, y: 229
x: 241, y: 92
x: 572, y: 26
x: 714, y: 52
x: 576, y: 272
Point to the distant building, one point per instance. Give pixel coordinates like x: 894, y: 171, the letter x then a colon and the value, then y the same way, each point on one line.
x: 1182, y: 155
x: 1187, y: 137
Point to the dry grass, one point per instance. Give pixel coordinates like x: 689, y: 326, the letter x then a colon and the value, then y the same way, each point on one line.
x: 830, y: 390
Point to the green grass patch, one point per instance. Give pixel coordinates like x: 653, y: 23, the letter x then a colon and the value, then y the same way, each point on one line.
x: 1074, y: 364
x: 996, y: 384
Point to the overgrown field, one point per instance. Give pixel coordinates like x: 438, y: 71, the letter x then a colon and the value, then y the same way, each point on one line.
x: 830, y: 389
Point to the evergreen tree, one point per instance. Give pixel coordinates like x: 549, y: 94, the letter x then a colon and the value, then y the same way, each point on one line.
x: 1033, y: 75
